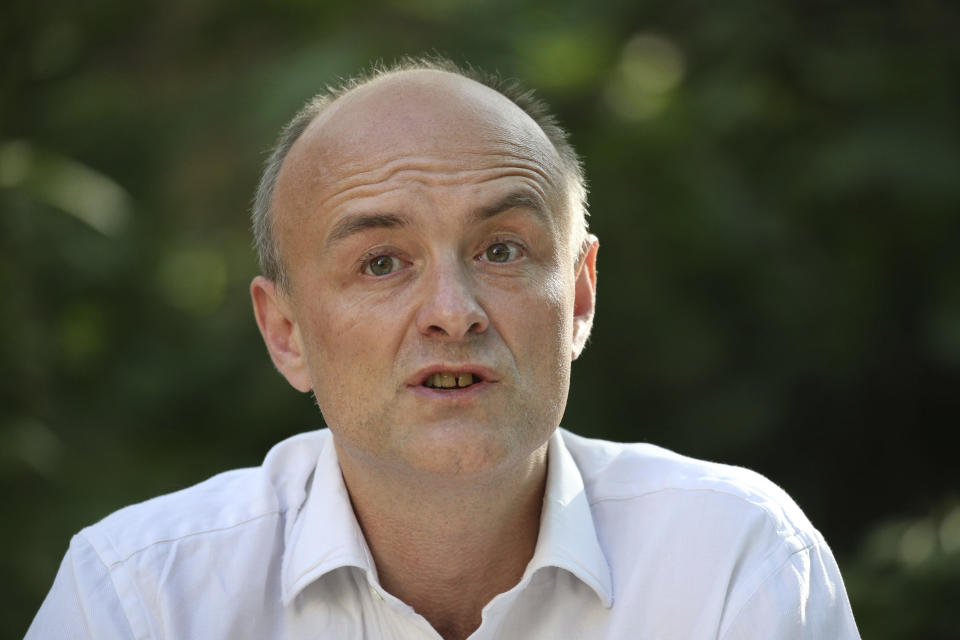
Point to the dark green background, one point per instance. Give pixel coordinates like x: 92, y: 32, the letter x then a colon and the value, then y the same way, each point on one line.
x: 776, y: 187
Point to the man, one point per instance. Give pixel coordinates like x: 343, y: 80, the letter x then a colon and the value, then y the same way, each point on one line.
x: 428, y: 276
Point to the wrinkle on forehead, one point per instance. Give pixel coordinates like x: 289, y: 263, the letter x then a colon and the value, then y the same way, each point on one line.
x: 358, y: 182
x: 412, y: 116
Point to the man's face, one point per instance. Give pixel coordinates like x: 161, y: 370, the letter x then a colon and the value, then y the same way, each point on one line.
x: 425, y: 232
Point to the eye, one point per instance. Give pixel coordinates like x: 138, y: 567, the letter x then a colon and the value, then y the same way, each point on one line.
x: 502, y: 252
x: 381, y: 265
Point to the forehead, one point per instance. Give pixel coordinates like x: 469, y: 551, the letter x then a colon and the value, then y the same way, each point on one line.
x: 435, y: 127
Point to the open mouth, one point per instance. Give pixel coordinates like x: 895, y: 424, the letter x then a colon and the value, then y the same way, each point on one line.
x: 450, y: 380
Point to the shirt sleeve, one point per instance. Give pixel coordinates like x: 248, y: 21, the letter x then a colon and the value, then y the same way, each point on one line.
x: 803, y: 599
x: 82, y: 603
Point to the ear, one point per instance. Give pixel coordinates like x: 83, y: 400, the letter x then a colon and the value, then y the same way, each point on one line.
x: 585, y: 295
x: 280, y: 332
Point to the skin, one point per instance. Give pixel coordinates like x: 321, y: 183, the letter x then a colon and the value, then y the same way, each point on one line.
x: 423, y: 224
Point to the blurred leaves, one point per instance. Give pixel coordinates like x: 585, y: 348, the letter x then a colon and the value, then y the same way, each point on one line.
x: 193, y: 280
x: 63, y: 183
x: 774, y: 187
x: 904, y: 577
x: 650, y: 68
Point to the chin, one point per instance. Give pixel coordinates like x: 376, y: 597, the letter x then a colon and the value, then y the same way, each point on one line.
x: 470, y: 451
x: 460, y: 451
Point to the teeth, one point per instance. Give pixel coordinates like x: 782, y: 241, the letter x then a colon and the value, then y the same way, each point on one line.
x: 449, y: 380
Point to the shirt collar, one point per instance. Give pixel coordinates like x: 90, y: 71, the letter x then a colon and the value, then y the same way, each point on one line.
x: 568, y: 536
x: 325, y: 534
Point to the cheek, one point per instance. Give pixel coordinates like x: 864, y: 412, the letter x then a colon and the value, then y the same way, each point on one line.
x: 546, y: 346
x: 545, y: 316
x: 347, y: 344
x: 558, y: 293
x: 343, y: 360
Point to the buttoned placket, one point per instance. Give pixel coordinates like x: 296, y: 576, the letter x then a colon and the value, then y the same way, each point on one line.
x: 402, y: 617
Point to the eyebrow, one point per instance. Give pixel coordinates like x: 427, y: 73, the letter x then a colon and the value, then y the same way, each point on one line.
x: 350, y: 225
x: 361, y: 222
x: 513, y: 200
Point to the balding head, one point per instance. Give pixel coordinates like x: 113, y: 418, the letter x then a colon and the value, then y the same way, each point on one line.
x: 390, y: 111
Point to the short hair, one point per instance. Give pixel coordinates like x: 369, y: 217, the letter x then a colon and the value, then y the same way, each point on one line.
x: 271, y: 263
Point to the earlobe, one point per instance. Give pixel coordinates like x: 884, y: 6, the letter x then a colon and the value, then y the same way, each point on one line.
x: 585, y: 295
x: 280, y: 332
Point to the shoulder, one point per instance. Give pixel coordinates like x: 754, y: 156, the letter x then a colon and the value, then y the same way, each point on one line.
x: 730, y: 553
x: 228, y: 502
x: 637, y: 476
x: 135, y: 572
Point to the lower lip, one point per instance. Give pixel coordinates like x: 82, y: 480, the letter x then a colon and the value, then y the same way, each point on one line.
x: 453, y: 394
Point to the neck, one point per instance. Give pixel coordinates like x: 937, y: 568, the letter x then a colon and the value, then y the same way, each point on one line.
x: 447, y: 546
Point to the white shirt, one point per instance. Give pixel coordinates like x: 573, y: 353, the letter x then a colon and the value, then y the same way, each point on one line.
x: 635, y: 542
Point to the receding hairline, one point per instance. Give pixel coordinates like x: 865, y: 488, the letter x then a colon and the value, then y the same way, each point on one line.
x: 309, y: 115
x: 447, y: 82
x: 441, y: 101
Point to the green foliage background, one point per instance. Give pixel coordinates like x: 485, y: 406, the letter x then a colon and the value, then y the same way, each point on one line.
x: 776, y: 187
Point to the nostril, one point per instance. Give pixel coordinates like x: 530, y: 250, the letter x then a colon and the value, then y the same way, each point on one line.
x: 436, y: 329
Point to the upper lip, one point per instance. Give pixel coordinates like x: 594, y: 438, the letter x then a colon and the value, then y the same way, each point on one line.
x: 486, y: 374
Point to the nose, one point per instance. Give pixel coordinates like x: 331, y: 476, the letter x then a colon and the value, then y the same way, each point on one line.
x: 449, y: 307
